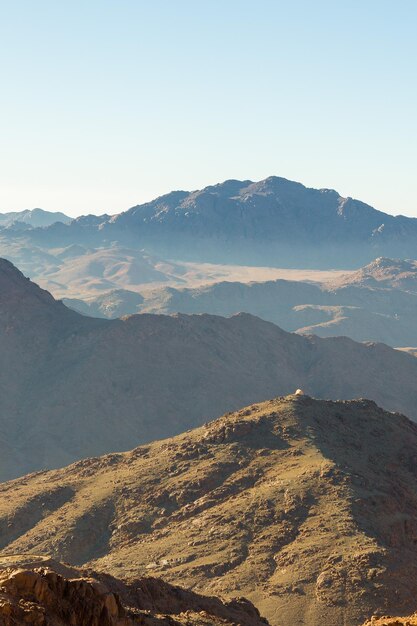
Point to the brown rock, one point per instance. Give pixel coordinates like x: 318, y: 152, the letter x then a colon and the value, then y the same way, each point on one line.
x: 41, y: 592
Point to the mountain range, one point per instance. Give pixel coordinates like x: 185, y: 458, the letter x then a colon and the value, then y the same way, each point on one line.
x: 307, y: 507
x: 376, y: 303
x: 271, y: 222
x: 180, y: 252
x: 74, y: 386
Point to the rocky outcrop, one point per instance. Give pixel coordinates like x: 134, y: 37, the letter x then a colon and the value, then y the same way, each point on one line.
x: 41, y: 592
x: 392, y: 621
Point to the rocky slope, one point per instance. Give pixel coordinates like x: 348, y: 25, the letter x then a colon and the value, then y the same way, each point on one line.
x: 306, y: 507
x: 41, y: 592
x: 73, y: 386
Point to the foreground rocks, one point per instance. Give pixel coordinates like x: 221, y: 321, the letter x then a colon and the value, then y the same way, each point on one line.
x: 41, y: 592
x: 392, y: 621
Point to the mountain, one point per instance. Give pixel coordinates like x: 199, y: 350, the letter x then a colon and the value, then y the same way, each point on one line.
x: 307, y: 507
x: 40, y: 592
x: 270, y: 222
x: 386, y: 273
x: 72, y: 386
x: 362, y: 305
x: 110, y: 305
x: 82, y: 272
x: 31, y: 218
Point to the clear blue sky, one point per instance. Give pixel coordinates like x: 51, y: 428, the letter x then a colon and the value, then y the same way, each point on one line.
x: 108, y: 103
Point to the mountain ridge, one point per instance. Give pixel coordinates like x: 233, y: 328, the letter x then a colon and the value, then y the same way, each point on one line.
x: 272, y: 215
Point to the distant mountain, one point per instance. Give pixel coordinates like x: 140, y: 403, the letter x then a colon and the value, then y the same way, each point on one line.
x: 384, y: 273
x: 73, y: 386
x: 110, y: 305
x: 31, y: 218
x: 306, y: 507
x: 274, y: 213
x: 83, y: 272
x: 270, y: 222
x: 372, y: 304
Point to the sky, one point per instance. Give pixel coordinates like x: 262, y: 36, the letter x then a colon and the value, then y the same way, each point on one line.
x: 109, y: 103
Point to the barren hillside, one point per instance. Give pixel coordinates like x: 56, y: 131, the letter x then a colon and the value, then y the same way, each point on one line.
x: 306, y: 507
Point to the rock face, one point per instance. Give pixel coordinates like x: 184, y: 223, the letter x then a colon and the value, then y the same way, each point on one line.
x: 41, y: 592
x: 306, y: 507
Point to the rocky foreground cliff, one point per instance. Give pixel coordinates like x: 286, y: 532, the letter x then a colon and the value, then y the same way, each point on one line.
x: 306, y: 507
x: 38, y: 591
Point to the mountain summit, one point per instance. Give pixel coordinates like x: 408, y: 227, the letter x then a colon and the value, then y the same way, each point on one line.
x: 306, y: 507
x: 273, y: 221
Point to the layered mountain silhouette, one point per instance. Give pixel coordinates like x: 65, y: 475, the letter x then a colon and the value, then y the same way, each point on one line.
x: 376, y: 303
x: 38, y: 591
x: 74, y: 386
x: 267, y: 222
x: 307, y: 507
x: 31, y: 218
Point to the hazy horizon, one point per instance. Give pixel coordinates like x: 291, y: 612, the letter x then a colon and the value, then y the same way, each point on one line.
x: 106, y: 105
